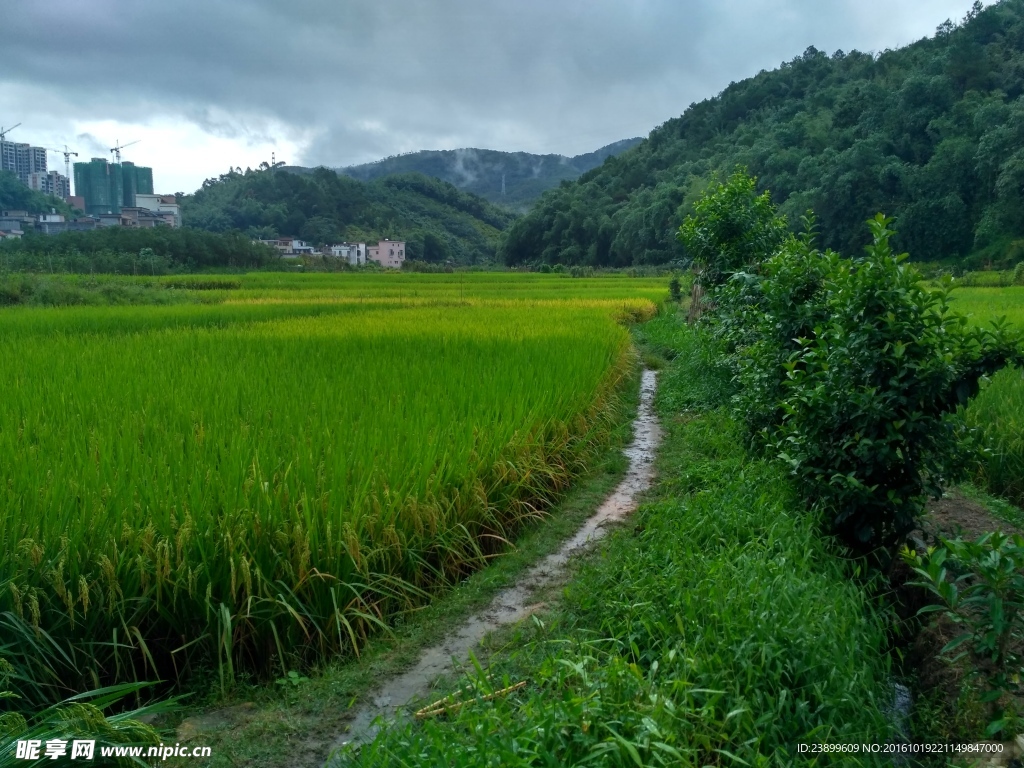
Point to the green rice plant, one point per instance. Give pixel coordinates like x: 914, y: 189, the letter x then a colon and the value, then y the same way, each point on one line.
x: 998, y: 412
x: 259, y: 485
x: 79, y: 717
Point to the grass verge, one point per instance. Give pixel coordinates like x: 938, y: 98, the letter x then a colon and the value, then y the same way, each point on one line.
x: 718, y: 628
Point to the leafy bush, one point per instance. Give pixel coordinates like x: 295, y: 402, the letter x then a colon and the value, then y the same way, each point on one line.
x: 849, y: 370
x: 732, y: 226
x: 869, y: 398
x: 987, y: 599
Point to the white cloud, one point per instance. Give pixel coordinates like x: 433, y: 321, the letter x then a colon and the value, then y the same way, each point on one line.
x: 208, y: 85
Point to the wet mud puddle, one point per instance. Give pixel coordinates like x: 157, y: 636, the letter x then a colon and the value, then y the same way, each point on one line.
x: 516, y: 602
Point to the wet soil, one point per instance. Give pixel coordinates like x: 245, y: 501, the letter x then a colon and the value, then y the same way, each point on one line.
x: 955, y: 514
x: 392, y: 700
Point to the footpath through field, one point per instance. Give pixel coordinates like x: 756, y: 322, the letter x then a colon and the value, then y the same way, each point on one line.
x: 516, y: 603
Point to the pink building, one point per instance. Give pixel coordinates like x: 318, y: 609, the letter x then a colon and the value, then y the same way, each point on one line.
x: 388, y: 253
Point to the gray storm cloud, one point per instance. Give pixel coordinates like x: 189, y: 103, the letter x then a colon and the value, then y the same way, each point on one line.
x: 362, y: 79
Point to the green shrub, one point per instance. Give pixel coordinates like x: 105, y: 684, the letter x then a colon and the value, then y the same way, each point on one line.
x: 732, y: 226
x: 869, y: 399
x: 987, y: 600
x: 849, y: 370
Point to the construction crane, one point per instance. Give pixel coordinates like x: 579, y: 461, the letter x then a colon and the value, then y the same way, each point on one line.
x: 118, y: 146
x: 67, y: 157
x: 5, y: 131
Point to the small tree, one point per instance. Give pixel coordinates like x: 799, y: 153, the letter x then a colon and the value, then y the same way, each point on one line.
x: 866, y: 412
x: 850, y: 370
x: 732, y: 227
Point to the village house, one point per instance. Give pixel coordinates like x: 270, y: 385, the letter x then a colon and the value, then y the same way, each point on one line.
x: 353, y: 253
x: 290, y: 247
x: 388, y: 253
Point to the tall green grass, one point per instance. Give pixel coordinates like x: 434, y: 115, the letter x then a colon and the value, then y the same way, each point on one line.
x: 251, y: 486
x: 998, y: 410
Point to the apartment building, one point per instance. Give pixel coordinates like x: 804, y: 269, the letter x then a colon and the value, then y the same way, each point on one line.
x: 388, y: 253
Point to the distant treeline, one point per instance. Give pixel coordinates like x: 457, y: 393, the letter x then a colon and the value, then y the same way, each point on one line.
x: 932, y: 134
x: 123, y: 250
x: 438, y: 221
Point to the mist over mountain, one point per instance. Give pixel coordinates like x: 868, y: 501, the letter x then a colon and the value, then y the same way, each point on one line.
x: 480, y: 171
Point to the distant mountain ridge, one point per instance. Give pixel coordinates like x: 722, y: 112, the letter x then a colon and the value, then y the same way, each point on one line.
x: 480, y: 171
x: 438, y: 222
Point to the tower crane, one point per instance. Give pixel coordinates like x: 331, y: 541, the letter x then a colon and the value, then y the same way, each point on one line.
x: 5, y: 131
x: 67, y: 158
x: 118, y: 146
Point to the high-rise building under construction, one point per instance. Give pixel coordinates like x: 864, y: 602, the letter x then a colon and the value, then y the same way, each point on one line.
x: 109, y: 187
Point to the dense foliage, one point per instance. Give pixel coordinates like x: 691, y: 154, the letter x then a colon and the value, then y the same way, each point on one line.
x: 482, y: 171
x: 132, y: 250
x: 15, y: 196
x: 437, y: 220
x: 986, y: 599
x: 849, y: 370
x: 731, y: 227
x: 931, y: 133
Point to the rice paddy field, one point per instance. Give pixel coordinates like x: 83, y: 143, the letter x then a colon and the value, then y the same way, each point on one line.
x: 998, y: 409
x: 272, y: 475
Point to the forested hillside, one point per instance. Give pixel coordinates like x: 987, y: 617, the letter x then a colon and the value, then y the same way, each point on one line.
x: 15, y: 196
x: 480, y: 171
x: 932, y: 134
x: 437, y: 221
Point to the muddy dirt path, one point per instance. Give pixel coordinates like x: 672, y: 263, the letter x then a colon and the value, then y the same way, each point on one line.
x: 515, y: 603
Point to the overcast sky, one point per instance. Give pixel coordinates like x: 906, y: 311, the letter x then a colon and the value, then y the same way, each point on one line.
x: 208, y: 84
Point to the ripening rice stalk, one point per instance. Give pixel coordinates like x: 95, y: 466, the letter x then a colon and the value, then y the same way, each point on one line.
x: 998, y: 411
x: 257, y: 485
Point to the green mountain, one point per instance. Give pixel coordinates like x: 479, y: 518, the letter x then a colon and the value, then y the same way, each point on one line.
x: 480, y: 171
x: 437, y: 221
x: 932, y: 134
